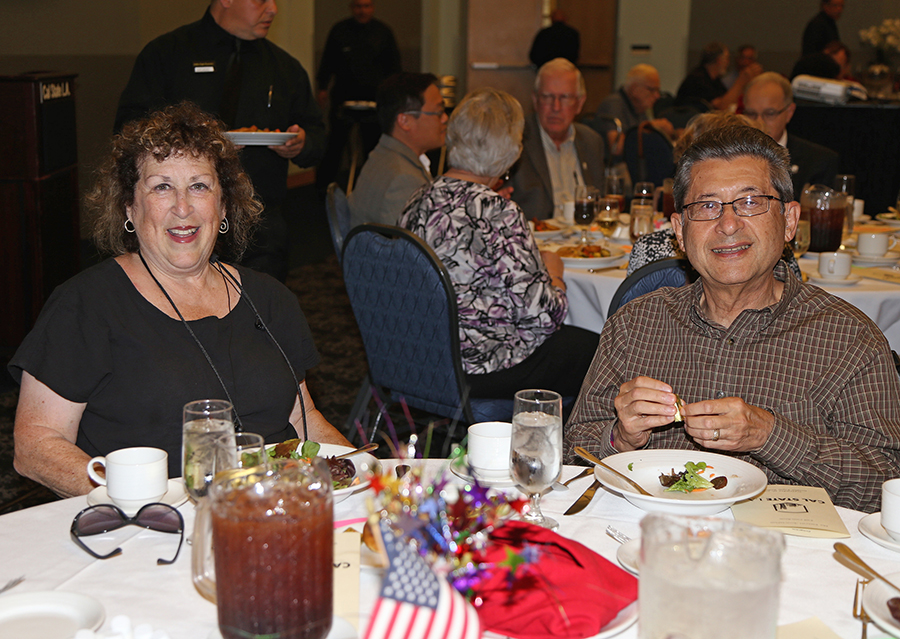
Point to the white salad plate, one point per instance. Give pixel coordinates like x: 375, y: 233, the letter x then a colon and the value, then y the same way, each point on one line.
x: 175, y: 496
x: 888, y: 259
x: 258, y: 138
x: 645, y: 466
x: 875, y: 600
x: 615, y: 253
x: 628, y: 554
x: 49, y: 615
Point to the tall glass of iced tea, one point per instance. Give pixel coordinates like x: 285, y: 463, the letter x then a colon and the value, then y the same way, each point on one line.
x: 263, y: 550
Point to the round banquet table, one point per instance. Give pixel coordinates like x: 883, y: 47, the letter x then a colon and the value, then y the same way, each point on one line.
x: 36, y: 544
x: 590, y: 294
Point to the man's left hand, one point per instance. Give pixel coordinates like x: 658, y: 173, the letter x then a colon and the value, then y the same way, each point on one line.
x: 728, y: 424
x: 292, y: 147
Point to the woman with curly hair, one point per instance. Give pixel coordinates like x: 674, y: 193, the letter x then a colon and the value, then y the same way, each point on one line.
x: 119, y: 349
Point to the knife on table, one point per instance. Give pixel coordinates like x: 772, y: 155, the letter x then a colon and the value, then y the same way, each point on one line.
x: 584, y: 500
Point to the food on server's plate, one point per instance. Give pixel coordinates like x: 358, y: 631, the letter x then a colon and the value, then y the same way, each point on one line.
x: 691, y: 479
x: 583, y: 251
x: 544, y: 225
x: 254, y: 129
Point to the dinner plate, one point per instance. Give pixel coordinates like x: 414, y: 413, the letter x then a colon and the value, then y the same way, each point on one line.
x: 175, y: 496
x: 870, y: 526
x: 258, y: 138
x: 562, y: 227
x: 461, y: 471
x: 629, y: 554
x: 48, y: 615
x: 645, y: 466
x: 875, y: 600
x: 619, y: 624
x: 850, y: 280
x: 888, y: 259
x: 363, y: 462
x: 595, y: 262
x: 890, y: 219
x: 340, y: 629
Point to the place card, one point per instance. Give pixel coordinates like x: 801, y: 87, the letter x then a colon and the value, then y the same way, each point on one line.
x: 346, y: 575
x: 802, y: 511
x: 812, y: 628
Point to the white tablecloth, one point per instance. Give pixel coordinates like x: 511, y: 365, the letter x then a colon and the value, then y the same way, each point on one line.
x: 35, y: 543
x: 590, y: 294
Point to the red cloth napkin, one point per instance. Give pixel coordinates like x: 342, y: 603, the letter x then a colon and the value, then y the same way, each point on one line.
x: 570, y: 592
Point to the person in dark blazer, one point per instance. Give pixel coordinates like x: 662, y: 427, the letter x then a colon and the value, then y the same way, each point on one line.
x: 769, y: 100
x: 558, y: 153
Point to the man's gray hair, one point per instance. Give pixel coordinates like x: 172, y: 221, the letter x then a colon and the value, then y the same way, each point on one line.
x: 777, y: 78
x: 484, y: 134
x: 639, y: 74
x: 731, y: 143
x: 560, y: 65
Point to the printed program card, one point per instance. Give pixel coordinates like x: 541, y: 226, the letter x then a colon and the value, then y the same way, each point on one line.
x: 803, y: 511
x: 346, y: 576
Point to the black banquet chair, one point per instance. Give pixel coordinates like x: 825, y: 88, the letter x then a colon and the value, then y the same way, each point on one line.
x: 338, y: 210
x: 648, y: 154
x: 406, y: 310
x: 671, y: 271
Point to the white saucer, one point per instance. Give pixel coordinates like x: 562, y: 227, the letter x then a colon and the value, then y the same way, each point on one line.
x: 340, y: 629
x: 888, y: 259
x: 498, y: 482
x: 50, y: 615
x: 850, y: 280
x: 628, y: 555
x: 175, y: 496
x: 870, y: 526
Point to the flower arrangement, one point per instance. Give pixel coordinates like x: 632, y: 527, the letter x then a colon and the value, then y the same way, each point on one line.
x: 884, y: 37
x: 449, y: 525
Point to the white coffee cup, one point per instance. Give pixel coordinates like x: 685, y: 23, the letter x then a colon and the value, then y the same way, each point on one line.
x: 134, y: 476
x: 488, y: 449
x: 874, y: 244
x: 834, y: 266
x: 890, y: 508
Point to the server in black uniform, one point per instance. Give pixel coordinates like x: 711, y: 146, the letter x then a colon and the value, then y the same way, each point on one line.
x: 360, y: 53
x: 224, y: 64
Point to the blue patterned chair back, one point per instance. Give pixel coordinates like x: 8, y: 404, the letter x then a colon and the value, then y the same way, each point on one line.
x: 671, y: 271
x: 338, y: 210
x: 405, y: 307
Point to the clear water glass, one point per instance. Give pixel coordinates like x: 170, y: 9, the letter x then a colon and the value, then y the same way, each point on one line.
x: 202, y: 423
x: 535, y: 458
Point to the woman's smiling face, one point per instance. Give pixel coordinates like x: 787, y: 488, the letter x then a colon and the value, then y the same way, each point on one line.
x: 176, y: 212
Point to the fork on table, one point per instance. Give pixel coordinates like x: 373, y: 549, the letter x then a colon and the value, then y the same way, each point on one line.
x: 859, y: 612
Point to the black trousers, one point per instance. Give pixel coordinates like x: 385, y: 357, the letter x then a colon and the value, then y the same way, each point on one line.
x: 559, y: 364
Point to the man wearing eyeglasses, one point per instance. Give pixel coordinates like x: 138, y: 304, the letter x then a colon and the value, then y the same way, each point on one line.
x: 413, y: 121
x: 768, y: 369
x: 557, y: 152
x: 768, y: 98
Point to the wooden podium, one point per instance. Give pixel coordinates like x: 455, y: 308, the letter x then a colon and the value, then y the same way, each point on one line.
x: 39, y: 230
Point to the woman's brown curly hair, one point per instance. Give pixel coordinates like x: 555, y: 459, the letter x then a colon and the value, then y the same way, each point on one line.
x: 182, y: 129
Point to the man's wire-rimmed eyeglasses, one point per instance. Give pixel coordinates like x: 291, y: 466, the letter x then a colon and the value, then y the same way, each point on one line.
x: 768, y: 114
x: 434, y: 113
x: 104, y: 518
x: 746, y: 206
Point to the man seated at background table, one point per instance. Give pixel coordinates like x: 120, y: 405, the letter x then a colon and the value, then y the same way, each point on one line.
x: 413, y: 121
x: 631, y: 104
x: 769, y: 99
x: 772, y: 370
x: 557, y: 152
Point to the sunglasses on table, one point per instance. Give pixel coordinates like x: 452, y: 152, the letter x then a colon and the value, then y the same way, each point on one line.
x: 104, y: 518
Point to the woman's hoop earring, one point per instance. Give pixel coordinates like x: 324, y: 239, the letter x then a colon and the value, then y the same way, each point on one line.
x: 223, y: 227
x: 129, y: 223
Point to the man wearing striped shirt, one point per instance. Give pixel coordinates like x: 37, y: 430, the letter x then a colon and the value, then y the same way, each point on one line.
x: 771, y: 370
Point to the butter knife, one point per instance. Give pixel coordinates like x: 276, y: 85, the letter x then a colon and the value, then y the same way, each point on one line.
x: 584, y: 500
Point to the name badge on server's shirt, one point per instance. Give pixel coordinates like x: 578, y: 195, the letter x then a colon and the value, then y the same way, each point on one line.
x: 204, y: 67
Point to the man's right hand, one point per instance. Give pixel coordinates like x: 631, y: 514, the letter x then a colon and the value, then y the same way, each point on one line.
x: 642, y: 405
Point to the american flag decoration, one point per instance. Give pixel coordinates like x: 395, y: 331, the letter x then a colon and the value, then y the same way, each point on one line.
x: 414, y: 603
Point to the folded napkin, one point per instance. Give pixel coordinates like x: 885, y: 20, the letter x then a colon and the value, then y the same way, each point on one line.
x: 569, y: 592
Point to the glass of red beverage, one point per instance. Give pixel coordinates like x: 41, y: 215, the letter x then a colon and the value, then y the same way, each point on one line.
x: 263, y: 550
